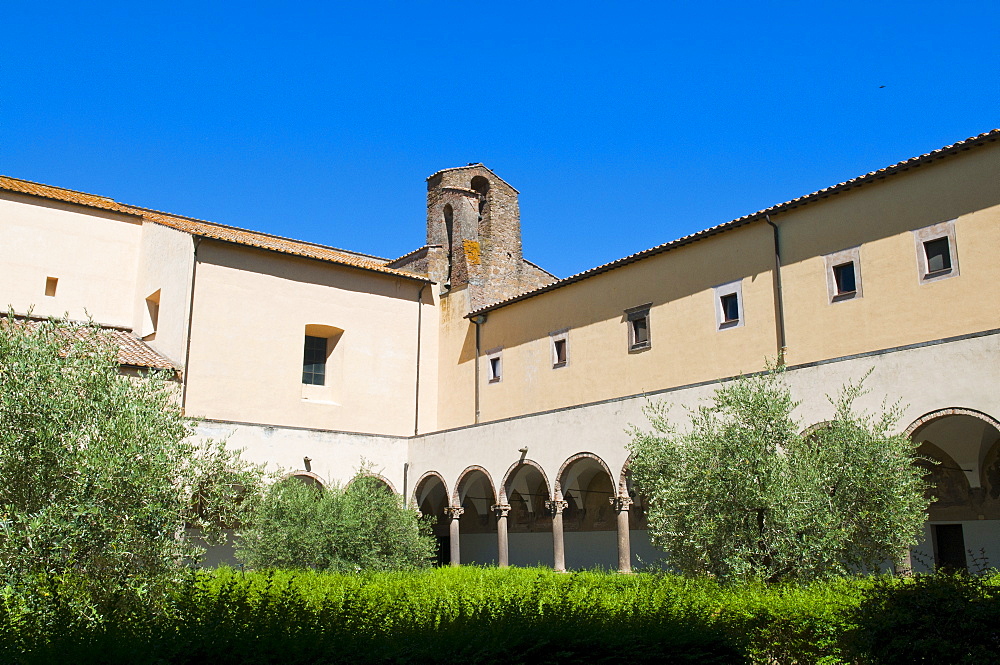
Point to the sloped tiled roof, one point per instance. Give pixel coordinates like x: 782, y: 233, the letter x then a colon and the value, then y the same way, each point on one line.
x: 941, y: 153
x: 131, y: 350
x: 205, y: 229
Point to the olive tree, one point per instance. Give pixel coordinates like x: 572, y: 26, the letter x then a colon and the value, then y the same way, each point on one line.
x: 742, y: 492
x: 362, y: 526
x: 100, y: 476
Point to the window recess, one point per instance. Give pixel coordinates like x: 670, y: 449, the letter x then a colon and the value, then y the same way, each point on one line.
x: 937, y: 256
x: 560, y: 348
x: 637, y: 318
x: 843, y: 274
x: 494, y: 365
x: 729, y: 305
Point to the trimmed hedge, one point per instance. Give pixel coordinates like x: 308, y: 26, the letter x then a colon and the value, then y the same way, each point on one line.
x: 516, y: 615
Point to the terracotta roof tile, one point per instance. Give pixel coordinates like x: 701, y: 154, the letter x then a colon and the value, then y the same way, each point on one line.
x: 131, y: 350
x: 980, y: 139
x: 209, y: 229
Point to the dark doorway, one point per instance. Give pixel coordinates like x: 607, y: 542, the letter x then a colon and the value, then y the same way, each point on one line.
x: 949, y: 547
x: 443, y: 550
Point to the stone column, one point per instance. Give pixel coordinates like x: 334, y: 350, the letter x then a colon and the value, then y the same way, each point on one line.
x: 621, y: 505
x: 558, y: 546
x: 453, y: 513
x: 502, y: 510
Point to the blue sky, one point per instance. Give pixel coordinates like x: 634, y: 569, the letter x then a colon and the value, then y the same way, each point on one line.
x: 624, y: 125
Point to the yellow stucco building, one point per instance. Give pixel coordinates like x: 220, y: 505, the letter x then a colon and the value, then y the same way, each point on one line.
x: 496, y: 396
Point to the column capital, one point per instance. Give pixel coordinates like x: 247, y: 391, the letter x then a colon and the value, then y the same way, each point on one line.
x: 620, y: 503
x: 454, y: 512
x: 556, y: 507
x: 501, y: 509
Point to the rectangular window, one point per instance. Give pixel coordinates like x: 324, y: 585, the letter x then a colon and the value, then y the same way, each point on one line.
x: 50, y: 286
x: 843, y: 276
x: 730, y: 308
x: 729, y: 305
x: 560, y: 347
x: 559, y: 352
x: 494, y: 366
x: 938, y: 256
x: 314, y: 361
x: 638, y: 328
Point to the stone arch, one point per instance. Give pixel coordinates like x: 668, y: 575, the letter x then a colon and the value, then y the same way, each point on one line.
x: 588, y: 487
x: 307, y: 477
x: 514, y: 468
x: 431, y: 497
x: 927, y: 418
x: 966, y: 477
x: 815, y: 427
x: 419, y: 485
x: 526, y: 489
x: 639, y: 509
x: 456, y: 498
x: 376, y: 476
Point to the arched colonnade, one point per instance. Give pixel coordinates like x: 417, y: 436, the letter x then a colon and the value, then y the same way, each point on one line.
x: 585, y: 507
x: 584, y: 503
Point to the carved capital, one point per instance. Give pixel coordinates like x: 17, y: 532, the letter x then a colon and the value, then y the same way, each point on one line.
x: 454, y: 512
x: 501, y: 509
x: 620, y: 503
x: 556, y: 507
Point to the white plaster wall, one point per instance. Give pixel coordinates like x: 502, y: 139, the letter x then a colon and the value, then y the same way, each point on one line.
x: 92, y: 253
x: 335, y: 456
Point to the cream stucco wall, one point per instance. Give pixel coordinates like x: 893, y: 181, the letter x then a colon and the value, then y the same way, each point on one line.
x: 251, y: 309
x: 895, y: 307
x: 686, y: 344
x: 165, y: 261
x: 93, y: 254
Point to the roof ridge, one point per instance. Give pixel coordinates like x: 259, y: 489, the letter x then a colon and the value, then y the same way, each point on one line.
x: 64, y: 189
x: 260, y: 233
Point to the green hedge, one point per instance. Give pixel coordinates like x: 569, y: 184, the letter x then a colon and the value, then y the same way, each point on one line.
x: 517, y: 615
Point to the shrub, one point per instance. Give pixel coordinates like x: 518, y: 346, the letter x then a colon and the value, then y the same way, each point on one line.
x: 942, y: 618
x: 361, y: 527
x: 99, y: 471
x: 743, y: 495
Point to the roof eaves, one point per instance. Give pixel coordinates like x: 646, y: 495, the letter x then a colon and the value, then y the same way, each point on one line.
x: 899, y: 167
x: 388, y: 272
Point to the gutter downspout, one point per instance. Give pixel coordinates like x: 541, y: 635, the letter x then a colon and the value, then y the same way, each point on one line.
x: 416, y: 391
x: 478, y: 320
x: 187, y: 346
x: 779, y: 305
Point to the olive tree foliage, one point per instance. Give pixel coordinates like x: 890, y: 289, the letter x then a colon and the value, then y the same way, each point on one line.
x: 100, y: 477
x: 363, y: 526
x: 742, y: 493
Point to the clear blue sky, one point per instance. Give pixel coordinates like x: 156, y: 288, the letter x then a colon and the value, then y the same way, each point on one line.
x: 624, y: 125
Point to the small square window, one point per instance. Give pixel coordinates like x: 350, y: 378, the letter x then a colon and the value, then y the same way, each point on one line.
x: 938, y: 256
x: 729, y: 305
x: 495, y: 367
x: 50, y: 286
x: 936, y: 252
x: 314, y: 361
x: 638, y: 328
x: 730, y: 308
x: 843, y: 276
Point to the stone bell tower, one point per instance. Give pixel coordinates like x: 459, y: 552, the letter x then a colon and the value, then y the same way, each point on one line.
x: 474, y: 234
